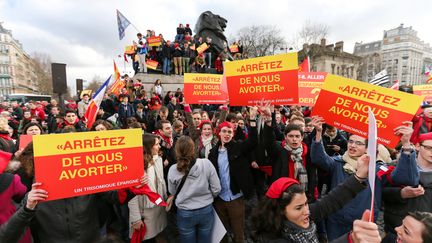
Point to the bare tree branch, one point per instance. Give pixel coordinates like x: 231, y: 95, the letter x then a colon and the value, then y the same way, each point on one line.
x: 260, y: 40
x: 309, y: 33
x: 42, y: 63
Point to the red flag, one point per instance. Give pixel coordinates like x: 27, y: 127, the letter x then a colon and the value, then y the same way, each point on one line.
x: 5, y: 157
x: 304, y: 66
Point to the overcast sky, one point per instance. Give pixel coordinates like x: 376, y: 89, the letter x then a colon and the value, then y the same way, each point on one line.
x: 83, y: 33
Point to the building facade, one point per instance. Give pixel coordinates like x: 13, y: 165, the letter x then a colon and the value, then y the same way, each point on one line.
x: 371, y: 59
x: 400, y: 51
x: 17, y: 69
x: 331, y: 59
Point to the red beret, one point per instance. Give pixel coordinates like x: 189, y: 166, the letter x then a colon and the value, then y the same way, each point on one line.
x: 204, y: 122
x: 279, y: 186
x: 222, y: 125
x: 425, y: 136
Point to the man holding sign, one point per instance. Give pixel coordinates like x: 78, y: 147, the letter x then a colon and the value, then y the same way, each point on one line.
x: 340, y: 167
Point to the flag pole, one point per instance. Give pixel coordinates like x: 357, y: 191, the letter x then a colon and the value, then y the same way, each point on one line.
x: 135, y: 27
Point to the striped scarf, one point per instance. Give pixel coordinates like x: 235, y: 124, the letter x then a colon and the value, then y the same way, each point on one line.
x: 299, y: 235
x: 299, y: 170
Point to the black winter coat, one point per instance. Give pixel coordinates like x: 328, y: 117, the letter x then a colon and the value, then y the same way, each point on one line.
x: 239, y: 162
x: 321, y: 209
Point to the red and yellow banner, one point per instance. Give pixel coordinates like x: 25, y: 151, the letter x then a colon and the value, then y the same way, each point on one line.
x: 130, y: 49
x: 202, y: 48
x: 201, y: 88
x: 234, y: 48
x: 424, y: 90
x: 154, y: 41
x: 309, y: 87
x: 272, y: 78
x: 117, y: 87
x: 344, y: 103
x: 74, y: 164
x: 152, y: 64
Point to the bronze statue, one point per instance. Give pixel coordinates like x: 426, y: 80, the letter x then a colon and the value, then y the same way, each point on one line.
x: 212, y: 25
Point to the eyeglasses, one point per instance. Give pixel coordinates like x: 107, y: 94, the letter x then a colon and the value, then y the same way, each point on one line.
x: 428, y: 148
x: 357, y: 143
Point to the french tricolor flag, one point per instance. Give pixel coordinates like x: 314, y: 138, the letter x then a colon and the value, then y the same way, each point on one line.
x: 94, y: 105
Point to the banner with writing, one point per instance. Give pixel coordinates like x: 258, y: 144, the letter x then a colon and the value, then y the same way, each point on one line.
x: 309, y: 87
x: 424, y: 90
x: 75, y: 164
x: 202, y: 88
x: 152, y: 64
x: 272, y: 78
x: 154, y: 41
x: 344, y: 103
x: 130, y: 49
x: 202, y: 48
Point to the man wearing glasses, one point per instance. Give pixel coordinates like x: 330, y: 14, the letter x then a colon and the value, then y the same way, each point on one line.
x: 342, y: 166
x: 399, y: 201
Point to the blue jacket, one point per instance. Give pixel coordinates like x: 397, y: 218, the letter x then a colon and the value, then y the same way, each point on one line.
x: 339, y: 223
x: 126, y: 111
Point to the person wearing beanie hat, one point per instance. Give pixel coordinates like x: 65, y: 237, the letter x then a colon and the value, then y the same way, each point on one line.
x: 284, y: 214
x: 341, y: 167
x: 231, y: 160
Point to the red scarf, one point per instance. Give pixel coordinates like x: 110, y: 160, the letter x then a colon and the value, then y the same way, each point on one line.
x: 66, y: 123
x: 5, y: 136
x: 71, y: 124
x: 167, y: 140
x: 291, y: 168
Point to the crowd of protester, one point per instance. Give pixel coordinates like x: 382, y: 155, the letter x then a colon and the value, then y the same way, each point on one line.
x: 271, y: 173
x: 180, y: 55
